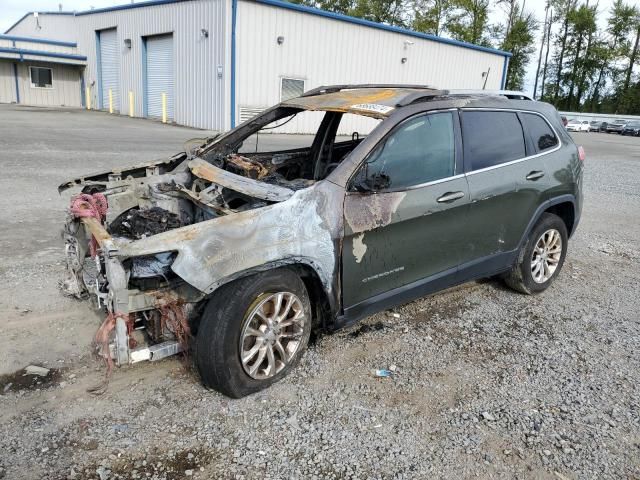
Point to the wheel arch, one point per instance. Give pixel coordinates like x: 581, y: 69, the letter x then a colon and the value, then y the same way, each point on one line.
x: 564, y: 206
x: 323, y: 301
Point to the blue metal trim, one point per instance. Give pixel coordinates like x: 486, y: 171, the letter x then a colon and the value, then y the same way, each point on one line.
x: 15, y: 77
x: 128, y: 6
x: 379, y: 26
x: 145, y: 94
x: 24, y: 51
x: 99, y: 69
x: 234, y: 15
x: 505, y: 67
x: 38, y: 40
x: 83, y: 98
x: 31, y: 13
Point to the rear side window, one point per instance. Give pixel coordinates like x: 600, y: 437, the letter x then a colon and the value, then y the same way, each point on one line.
x: 491, y: 138
x: 540, y: 132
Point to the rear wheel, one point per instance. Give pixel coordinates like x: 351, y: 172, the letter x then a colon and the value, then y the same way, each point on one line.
x: 542, y: 256
x: 253, y: 332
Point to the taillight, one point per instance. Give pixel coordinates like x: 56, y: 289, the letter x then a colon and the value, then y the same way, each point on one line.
x: 581, y: 154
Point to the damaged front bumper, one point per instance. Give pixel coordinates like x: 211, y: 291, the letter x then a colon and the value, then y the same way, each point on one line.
x: 142, y: 324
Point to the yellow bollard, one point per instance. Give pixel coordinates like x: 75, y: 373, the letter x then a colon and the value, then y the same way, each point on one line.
x: 130, y: 103
x: 110, y: 102
x: 88, y: 97
x: 164, y: 107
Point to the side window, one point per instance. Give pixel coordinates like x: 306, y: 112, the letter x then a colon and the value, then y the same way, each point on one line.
x: 540, y: 131
x: 420, y: 150
x: 491, y: 138
x: 41, y: 77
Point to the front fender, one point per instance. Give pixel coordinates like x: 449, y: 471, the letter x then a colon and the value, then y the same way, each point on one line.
x: 303, y: 229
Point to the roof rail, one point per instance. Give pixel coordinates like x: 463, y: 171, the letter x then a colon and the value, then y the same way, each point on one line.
x: 425, y: 96
x: 336, y: 88
x: 511, y: 94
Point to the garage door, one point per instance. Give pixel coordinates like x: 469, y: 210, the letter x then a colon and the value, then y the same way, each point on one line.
x: 109, y: 68
x: 160, y: 75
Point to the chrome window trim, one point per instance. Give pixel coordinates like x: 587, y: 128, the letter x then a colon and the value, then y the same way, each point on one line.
x: 518, y: 160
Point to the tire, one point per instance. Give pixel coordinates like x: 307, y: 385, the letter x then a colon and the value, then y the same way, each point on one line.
x: 218, y: 346
x: 521, y: 277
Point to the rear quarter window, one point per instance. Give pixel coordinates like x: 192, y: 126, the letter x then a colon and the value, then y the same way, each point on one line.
x: 491, y: 138
x: 540, y: 132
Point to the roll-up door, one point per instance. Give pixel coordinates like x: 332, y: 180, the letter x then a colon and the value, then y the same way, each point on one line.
x: 160, y: 75
x: 109, y: 68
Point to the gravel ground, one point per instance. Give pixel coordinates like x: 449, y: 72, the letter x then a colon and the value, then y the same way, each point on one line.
x: 488, y: 383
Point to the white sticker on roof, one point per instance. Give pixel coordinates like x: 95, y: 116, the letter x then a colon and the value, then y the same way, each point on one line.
x: 372, y: 107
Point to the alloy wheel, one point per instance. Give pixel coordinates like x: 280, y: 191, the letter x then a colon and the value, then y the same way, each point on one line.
x: 546, y: 255
x: 272, y: 334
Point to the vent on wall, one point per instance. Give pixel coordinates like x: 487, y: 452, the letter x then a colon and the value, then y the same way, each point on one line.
x: 247, y: 113
x: 291, y: 88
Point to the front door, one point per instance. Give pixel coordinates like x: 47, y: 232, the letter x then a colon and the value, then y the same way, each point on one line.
x: 404, y: 215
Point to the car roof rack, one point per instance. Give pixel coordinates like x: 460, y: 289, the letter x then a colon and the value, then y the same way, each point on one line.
x: 510, y: 94
x: 426, y: 96
x: 323, y: 90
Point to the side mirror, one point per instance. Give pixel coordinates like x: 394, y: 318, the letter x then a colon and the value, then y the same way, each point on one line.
x: 366, y: 182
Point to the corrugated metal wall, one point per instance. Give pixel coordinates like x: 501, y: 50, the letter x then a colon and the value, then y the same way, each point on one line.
x: 65, y: 89
x: 199, y: 92
x: 7, y: 82
x: 50, y: 26
x: 325, y: 51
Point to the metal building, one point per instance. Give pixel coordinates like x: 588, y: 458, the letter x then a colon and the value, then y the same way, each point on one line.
x: 38, y: 71
x: 214, y: 63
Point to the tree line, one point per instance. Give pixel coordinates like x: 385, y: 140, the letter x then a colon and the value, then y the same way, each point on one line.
x: 581, y: 64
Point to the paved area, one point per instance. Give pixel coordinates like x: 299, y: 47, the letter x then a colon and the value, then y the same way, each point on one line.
x: 490, y: 383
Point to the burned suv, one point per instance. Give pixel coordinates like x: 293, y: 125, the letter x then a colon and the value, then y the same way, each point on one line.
x: 238, y: 247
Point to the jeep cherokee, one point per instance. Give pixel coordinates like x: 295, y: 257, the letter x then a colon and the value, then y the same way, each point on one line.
x: 239, y: 250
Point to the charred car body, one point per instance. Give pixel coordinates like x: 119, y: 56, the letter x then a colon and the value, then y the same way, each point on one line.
x: 246, y: 251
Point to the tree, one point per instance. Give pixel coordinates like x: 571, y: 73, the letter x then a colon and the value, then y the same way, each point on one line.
x: 582, y: 24
x: 430, y: 16
x: 607, y: 53
x: 563, y: 10
x: 469, y: 22
x: 518, y: 38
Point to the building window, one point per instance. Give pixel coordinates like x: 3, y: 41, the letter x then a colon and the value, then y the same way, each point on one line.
x: 41, y: 77
x: 291, y: 88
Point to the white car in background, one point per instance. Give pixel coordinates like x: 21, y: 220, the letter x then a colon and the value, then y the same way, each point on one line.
x: 577, y: 126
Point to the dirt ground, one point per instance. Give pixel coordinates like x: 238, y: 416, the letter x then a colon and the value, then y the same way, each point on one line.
x: 490, y: 383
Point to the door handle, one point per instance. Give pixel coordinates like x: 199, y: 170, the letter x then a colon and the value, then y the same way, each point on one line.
x: 450, y: 197
x: 535, y: 175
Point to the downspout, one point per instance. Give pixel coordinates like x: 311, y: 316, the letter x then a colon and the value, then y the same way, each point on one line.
x: 234, y: 14
x: 15, y: 77
x: 505, y: 67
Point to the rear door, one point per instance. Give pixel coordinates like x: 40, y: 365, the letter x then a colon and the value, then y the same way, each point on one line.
x: 507, y: 176
x: 405, y: 224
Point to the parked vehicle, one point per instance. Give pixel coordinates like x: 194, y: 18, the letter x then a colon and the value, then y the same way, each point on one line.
x: 632, y: 128
x: 616, y: 126
x: 247, y: 249
x: 577, y: 126
x: 597, y: 126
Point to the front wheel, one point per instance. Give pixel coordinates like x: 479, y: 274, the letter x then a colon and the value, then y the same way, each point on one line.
x: 253, y: 332
x: 541, y: 257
